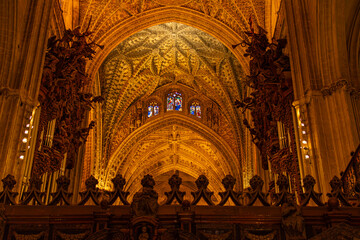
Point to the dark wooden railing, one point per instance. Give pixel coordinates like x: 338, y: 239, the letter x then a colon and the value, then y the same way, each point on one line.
x: 352, y: 175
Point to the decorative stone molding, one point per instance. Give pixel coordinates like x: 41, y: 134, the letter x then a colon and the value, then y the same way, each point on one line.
x: 340, y: 84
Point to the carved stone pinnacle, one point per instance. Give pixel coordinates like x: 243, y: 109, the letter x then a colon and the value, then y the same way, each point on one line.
x: 229, y: 182
x: 309, y: 183
x: 118, y: 181
x: 175, y: 182
x: 91, y: 182
x: 202, y: 182
x: 148, y: 181
x: 9, y: 182
x: 256, y: 182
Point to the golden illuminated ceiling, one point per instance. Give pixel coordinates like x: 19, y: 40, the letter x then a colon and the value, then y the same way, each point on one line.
x: 164, y: 54
x: 105, y: 14
x: 151, y: 46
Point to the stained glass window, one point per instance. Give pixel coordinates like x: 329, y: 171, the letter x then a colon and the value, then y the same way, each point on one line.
x: 174, y: 101
x: 195, y: 109
x: 153, y: 109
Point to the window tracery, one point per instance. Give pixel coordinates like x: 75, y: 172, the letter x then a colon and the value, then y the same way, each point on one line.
x: 153, y: 109
x: 174, y: 101
x: 195, y: 109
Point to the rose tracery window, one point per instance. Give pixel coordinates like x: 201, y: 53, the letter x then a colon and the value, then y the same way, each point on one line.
x: 174, y: 101
x: 195, y: 109
x: 153, y: 109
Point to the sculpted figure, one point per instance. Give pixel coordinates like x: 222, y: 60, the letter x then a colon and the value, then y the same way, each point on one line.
x: 144, y: 234
x: 145, y: 201
x: 292, y: 220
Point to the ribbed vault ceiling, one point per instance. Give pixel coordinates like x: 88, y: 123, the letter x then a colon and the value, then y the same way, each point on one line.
x: 164, y: 54
x: 170, y: 54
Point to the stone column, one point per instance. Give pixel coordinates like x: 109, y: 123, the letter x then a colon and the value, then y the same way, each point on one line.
x: 320, y: 72
x: 24, y: 29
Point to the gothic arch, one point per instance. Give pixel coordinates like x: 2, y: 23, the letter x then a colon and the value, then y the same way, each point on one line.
x: 126, y: 28
x: 230, y: 163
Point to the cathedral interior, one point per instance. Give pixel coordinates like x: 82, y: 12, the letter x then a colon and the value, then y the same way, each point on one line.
x: 179, y: 119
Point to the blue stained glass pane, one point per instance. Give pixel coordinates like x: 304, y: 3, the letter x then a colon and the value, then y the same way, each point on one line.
x: 150, y: 111
x: 170, y: 103
x: 198, y: 111
x: 192, y: 110
x: 178, y: 103
x: 156, y: 110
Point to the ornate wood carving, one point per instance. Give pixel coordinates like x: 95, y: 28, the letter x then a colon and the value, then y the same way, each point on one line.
x: 270, y: 103
x: 337, y: 191
x: 62, y: 97
x: 91, y: 191
x: 7, y: 196
x: 292, y: 220
x: 229, y: 183
x: 119, y: 183
x: 256, y: 192
x: 283, y: 196
x: 34, y: 192
x: 61, y: 196
x: 175, y: 193
x: 202, y: 182
x: 145, y: 201
x: 309, y: 183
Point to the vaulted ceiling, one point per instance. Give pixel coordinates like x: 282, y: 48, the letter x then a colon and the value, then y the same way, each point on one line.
x: 171, y: 54
x: 151, y: 45
x: 164, y: 54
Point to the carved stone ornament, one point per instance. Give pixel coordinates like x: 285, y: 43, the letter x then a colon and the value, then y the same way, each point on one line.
x: 175, y: 193
x: 7, y: 196
x: 339, y: 231
x: 309, y: 183
x: 337, y: 192
x: 145, y: 201
x: 256, y: 192
x: 292, y: 220
x: 229, y: 183
x: 217, y: 235
x: 91, y: 191
x: 119, y: 183
x: 61, y: 196
x: 34, y: 192
x: 176, y: 234
x: 284, y: 195
x: 202, y: 182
